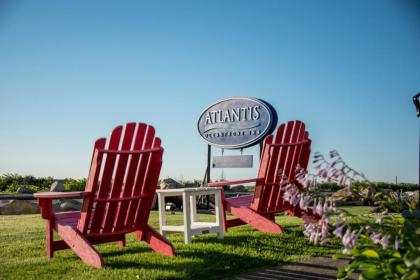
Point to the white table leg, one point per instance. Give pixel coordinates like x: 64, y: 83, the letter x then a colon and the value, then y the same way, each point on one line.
x: 193, y: 208
x: 162, y: 217
x: 219, y: 214
x: 187, y: 217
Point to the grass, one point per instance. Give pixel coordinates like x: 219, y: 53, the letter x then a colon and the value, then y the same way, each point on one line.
x: 22, y: 252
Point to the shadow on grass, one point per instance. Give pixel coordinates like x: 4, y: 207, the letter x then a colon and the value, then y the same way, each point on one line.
x: 118, y: 251
x: 239, y: 251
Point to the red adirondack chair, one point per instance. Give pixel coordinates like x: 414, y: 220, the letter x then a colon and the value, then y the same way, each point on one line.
x: 117, y: 200
x: 281, y: 154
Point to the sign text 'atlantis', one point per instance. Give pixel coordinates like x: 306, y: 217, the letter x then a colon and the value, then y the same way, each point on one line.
x: 236, y: 122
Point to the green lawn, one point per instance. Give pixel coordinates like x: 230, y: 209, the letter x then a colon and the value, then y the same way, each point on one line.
x: 22, y: 252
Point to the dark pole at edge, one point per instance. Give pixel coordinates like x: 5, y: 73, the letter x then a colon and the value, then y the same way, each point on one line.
x: 208, y: 173
x: 208, y: 163
x: 417, y: 104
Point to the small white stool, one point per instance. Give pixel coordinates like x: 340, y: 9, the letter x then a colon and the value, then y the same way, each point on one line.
x: 191, y: 227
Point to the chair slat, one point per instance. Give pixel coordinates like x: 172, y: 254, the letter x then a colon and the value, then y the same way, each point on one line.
x: 152, y: 176
x: 131, y: 175
x: 91, y: 185
x: 118, y: 180
x: 291, y: 161
x: 270, y: 171
x: 140, y: 175
x: 105, y: 181
x: 278, y: 171
x: 264, y: 162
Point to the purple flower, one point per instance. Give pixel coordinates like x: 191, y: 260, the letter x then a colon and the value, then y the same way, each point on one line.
x: 312, y: 238
x: 346, y: 250
x: 318, y: 209
x: 324, y: 229
x: 375, y: 237
x: 303, y: 203
x: 346, y: 239
x: 309, y: 229
x: 384, y: 242
x: 396, y: 244
x: 287, y: 194
x: 349, y: 239
x: 295, y: 199
x: 324, y: 241
x: 339, y: 230
x: 316, y: 238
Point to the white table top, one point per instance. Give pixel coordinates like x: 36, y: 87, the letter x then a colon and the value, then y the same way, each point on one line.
x: 201, y: 189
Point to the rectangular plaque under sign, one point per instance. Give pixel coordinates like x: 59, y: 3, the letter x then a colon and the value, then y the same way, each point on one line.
x: 232, y: 161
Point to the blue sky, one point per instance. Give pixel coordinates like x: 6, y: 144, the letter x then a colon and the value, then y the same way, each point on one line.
x: 72, y: 70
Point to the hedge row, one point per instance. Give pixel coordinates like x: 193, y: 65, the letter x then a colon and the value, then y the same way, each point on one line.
x: 11, y: 182
x: 332, y: 187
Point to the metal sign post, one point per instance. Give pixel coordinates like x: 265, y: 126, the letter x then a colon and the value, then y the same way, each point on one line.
x: 417, y: 104
x: 208, y: 163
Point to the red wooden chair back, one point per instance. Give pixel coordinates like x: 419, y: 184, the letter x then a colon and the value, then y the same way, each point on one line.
x: 281, y: 154
x: 123, y: 179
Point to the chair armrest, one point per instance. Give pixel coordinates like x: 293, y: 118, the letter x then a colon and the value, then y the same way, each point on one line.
x: 45, y: 201
x: 230, y: 183
x: 56, y: 195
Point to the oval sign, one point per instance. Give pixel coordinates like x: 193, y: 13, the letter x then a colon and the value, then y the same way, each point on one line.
x: 236, y: 122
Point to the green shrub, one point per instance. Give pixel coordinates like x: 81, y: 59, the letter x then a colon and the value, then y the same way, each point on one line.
x: 7, y: 180
x: 72, y: 185
x: 15, y: 186
x: 396, y: 202
x: 328, y: 187
x: 382, y: 186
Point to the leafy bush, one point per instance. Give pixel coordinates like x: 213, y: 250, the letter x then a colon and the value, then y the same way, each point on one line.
x: 15, y: 186
x: 72, y: 185
x: 386, y: 186
x: 328, y: 187
x: 396, y: 202
x: 7, y: 180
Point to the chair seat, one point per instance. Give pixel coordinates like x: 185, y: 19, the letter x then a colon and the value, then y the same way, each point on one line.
x: 68, y: 218
x: 240, y: 201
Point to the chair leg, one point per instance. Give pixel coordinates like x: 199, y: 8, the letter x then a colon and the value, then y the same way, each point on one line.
x: 49, y: 239
x: 271, y: 217
x: 81, y: 246
x: 155, y: 241
x: 122, y: 243
x: 256, y: 220
x: 225, y: 222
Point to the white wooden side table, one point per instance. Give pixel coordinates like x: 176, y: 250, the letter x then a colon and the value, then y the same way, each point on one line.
x: 191, y: 226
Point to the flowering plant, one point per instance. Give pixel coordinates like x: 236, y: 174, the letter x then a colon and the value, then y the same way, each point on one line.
x: 379, y: 249
x: 386, y: 253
